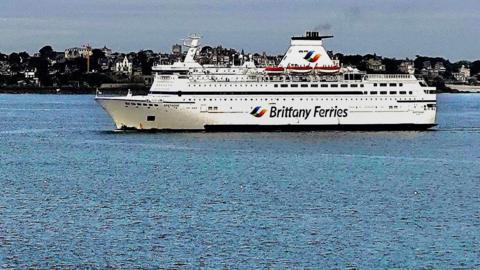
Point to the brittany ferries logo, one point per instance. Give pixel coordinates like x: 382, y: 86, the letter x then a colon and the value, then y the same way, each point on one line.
x: 258, y: 111
x: 305, y: 113
x: 312, y: 57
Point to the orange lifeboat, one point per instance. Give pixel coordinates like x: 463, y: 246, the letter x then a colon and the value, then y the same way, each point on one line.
x: 274, y: 70
x: 328, y: 69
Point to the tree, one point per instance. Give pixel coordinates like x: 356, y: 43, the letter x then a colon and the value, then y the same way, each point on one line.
x: 96, y: 79
x: 475, y: 67
x: 391, y: 65
x: 97, y: 54
x: 24, y: 56
x: 145, y: 63
x: 14, y: 58
x: 47, y: 52
x: 41, y: 64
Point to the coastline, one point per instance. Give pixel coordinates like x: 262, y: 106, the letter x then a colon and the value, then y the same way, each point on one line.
x: 72, y: 90
x: 124, y: 90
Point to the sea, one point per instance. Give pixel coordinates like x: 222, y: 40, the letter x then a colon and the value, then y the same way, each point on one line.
x: 75, y: 194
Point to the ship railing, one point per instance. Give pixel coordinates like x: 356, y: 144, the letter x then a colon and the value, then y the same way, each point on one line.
x: 389, y: 77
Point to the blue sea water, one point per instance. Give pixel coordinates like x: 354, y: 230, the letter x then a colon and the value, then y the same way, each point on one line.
x: 74, y: 194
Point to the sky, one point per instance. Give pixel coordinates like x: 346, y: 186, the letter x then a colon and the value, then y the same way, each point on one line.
x: 392, y: 28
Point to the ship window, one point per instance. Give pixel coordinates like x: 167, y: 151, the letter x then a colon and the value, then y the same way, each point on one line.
x: 353, y: 85
x: 383, y: 84
x: 293, y: 85
x: 343, y: 85
x: 275, y: 85
x: 127, y: 103
x: 361, y: 85
x: 403, y: 92
x: 156, y: 105
x: 400, y: 84
x: 393, y: 92
x: 373, y: 92
x: 304, y: 85
x: 334, y: 85
x: 151, y: 118
x: 283, y: 85
x: 393, y: 84
x: 410, y: 92
x: 314, y: 85
x: 383, y: 92
x: 144, y: 104
x: 324, y: 85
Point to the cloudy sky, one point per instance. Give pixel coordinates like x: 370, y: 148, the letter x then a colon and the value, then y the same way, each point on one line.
x: 395, y: 28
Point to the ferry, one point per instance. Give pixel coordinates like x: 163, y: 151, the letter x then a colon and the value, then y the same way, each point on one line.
x: 306, y: 91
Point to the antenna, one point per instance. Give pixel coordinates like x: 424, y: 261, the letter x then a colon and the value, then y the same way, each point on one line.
x: 88, y: 48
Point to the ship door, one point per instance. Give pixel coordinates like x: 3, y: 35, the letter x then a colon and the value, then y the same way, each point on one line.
x: 417, y: 108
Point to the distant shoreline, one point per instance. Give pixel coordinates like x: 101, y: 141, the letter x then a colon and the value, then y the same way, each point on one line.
x: 70, y: 91
x: 123, y: 91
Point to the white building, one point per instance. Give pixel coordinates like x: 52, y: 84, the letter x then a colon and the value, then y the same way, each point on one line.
x: 407, y: 67
x: 76, y: 52
x: 465, y: 71
x: 30, y: 73
x: 107, y: 51
x: 462, y: 75
x: 125, y: 66
x: 376, y: 65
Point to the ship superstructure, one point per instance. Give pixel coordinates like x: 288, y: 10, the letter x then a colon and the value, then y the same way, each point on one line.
x: 306, y: 91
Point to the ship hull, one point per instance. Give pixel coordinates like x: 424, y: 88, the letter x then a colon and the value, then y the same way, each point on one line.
x: 297, y: 114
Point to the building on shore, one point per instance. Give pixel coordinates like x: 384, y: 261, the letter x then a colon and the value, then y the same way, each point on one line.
x: 462, y: 75
x: 177, y: 50
x: 407, y: 67
x: 124, y: 66
x: 106, y: 51
x: 77, y: 52
x: 376, y: 65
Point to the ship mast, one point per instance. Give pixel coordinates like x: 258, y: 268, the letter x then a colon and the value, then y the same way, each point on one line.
x: 192, y: 43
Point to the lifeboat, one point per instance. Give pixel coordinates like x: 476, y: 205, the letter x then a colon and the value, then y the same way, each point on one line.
x: 299, y: 69
x: 274, y: 70
x: 327, y: 69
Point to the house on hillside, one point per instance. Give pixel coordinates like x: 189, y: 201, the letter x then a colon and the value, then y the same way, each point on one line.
x: 407, y: 67
x: 376, y: 65
x: 76, y: 52
x: 462, y: 75
x: 124, y: 66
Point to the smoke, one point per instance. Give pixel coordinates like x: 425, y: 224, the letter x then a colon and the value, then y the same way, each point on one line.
x: 323, y: 27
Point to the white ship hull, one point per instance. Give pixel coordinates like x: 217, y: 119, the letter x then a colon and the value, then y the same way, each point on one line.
x: 295, y: 113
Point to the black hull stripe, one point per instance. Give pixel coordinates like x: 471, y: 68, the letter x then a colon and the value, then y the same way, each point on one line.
x: 257, y: 93
x: 371, y: 127
x: 295, y: 128
x: 178, y: 102
x: 415, y: 101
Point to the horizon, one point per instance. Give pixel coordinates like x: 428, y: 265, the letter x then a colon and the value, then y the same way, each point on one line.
x: 392, y: 29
